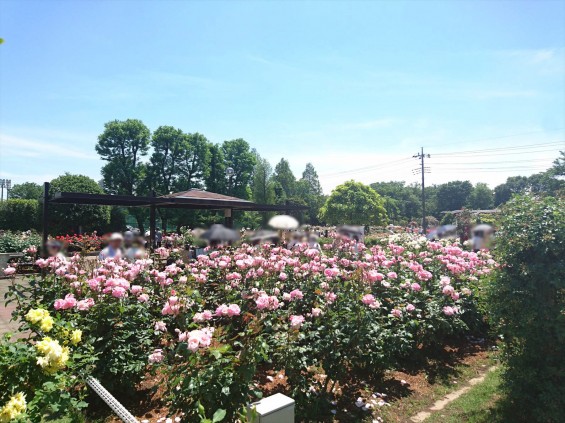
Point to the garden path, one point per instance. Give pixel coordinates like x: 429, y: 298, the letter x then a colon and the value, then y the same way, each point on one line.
x: 440, y: 404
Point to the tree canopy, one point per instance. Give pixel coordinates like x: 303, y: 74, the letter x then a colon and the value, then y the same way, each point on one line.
x: 67, y: 218
x: 354, y: 203
x: 26, y: 191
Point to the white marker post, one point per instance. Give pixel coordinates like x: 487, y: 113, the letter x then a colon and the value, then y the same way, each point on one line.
x: 277, y: 408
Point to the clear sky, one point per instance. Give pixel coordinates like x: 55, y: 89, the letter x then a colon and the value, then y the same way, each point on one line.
x: 353, y: 87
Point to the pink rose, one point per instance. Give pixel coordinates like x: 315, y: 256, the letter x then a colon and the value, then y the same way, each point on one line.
x: 410, y: 307
x: 85, y: 304
x: 396, y: 313
x: 416, y: 287
x: 136, y: 289
x: 160, y: 326
x: 143, y: 298
x: 296, y: 321
x: 316, y: 312
x: 157, y: 356
x: 9, y: 271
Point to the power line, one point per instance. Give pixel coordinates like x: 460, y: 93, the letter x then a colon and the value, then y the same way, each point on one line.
x: 503, y: 136
x: 521, y: 147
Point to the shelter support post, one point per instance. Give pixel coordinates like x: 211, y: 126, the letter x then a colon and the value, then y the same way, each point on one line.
x: 152, y: 219
x: 228, y: 218
x: 45, y: 219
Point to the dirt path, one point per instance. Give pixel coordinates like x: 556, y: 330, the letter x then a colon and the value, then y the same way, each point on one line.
x: 440, y: 404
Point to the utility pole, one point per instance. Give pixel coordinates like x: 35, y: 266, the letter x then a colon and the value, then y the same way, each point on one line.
x: 423, y: 170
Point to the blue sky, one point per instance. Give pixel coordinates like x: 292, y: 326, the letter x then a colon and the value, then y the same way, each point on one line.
x: 356, y: 88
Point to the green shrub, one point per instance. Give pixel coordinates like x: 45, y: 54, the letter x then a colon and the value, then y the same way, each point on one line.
x: 19, y: 215
x: 526, y: 302
x: 11, y: 242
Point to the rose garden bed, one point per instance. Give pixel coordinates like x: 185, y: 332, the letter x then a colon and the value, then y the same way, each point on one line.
x: 327, y: 328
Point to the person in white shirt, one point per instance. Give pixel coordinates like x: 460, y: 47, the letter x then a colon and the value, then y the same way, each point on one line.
x: 114, y: 248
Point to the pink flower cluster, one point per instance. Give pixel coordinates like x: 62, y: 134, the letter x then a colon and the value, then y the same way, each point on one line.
x: 196, y: 339
x: 228, y: 310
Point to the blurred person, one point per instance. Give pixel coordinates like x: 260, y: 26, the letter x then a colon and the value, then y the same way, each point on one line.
x: 114, y: 248
x: 128, y: 239
x: 55, y: 249
x: 136, y: 251
x: 313, y: 242
x: 158, y: 237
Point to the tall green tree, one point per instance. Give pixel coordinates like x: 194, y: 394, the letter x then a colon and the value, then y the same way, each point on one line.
x: 69, y: 218
x: 513, y: 185
x: 239, y: 156
x: 168, y: 144
x: 215, y: 178
x: 26, y: 191
x: 122, y: 145
x: 354, y: 203
x: 195, y: 163
x: 403, y: 203
x: 453, y: 195
x: 263, y: 187
x: 163, y: 171
x: 285, y: 179
x: 481, y: 198
x: 309, y: 192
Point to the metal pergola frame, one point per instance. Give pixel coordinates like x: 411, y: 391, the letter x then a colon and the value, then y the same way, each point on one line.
x: 228, y: 204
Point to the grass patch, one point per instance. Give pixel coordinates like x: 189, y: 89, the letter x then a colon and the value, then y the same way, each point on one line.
x: 479, y: 405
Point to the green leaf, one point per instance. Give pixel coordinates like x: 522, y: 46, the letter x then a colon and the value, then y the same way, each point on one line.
x: 219, y: 415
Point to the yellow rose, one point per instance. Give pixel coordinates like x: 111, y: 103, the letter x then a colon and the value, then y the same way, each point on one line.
x: 13, y: 408
x: 76, y: 336
x: 36, y: 315
x: 46, y: 324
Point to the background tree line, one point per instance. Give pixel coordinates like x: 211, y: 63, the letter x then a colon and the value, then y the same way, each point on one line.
x: 141, y: 162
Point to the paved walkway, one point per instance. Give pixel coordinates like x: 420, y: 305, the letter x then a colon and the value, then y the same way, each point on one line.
x: 6, y: 325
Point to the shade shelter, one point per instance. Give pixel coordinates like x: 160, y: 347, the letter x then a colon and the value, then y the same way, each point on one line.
x: 191, y: 199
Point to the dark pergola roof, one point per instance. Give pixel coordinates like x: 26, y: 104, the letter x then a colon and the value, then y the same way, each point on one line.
x: 191, y: 199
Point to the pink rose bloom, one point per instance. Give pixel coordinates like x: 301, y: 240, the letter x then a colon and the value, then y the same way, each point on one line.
x: 396, y: 313
x: 222, y: 310
x: 286, y: 296
x: 449, y: 311
x: 183, y: 279
x: 316, y: 312
x: 368, y: 299
x: 391, y: 275
x: 416, y: 287
x: 119, y: 292
x: 93, y: 284
x: 448, y: 290
x: 59, y: 304
x: 410, y: 308
x: 233, y: 310
x: 296, y: 294
x: 445, y: 280
x: 330, y: 297
x: 9, y: 271
x: 296, y: 321
x: 160, y: 326
x: 143, y: 298
x: 283, y: 276
x: 69, y: 301
x: 157, y: 356
x: 136, y: 289
x: 85, y: 304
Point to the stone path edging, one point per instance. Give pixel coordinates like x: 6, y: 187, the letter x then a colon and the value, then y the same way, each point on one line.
x: 440, y: 404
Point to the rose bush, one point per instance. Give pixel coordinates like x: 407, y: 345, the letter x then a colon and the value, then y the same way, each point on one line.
x: 214, y: 326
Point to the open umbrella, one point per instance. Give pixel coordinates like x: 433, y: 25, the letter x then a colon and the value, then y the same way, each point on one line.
x: 219, y: 232
x: 283, y: 222
x: 263, y: 234
x: 483, y: 227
